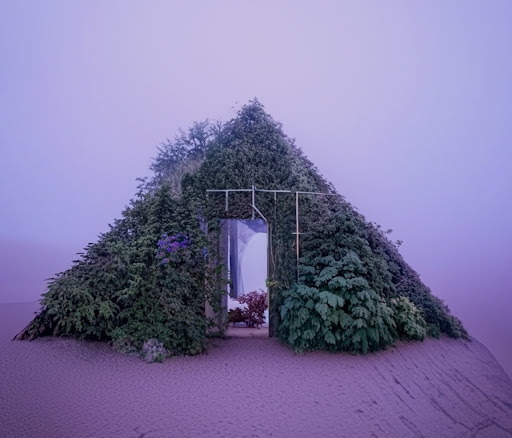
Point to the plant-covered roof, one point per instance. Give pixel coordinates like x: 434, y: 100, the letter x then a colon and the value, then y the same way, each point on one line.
x: 354, y: 290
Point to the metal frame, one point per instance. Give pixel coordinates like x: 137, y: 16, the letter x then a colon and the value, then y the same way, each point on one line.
x: 253, y: 191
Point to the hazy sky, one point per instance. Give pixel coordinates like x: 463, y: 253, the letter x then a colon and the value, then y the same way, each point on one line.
x: 404, y: 106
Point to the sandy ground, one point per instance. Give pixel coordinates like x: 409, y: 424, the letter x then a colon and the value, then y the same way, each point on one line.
x: 248, y: 387
x: 247, y: 332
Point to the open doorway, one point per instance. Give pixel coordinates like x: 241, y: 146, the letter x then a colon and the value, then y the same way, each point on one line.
x: 245, y: 253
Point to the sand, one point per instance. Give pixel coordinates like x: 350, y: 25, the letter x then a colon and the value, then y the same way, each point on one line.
x: 248, y: 387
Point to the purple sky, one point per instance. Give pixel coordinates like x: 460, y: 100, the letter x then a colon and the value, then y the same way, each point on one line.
x: 407, y: 110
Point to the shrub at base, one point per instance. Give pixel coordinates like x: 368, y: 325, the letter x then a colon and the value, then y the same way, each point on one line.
x: 322, y: 320
x: 153, y: 351
x: 125, y: 346
x: 409, y: 322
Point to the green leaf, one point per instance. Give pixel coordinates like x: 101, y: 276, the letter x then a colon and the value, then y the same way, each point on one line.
x: 330, y: 338
x: 322, y: 309
x: 332, y: 300
x: 325, y: 275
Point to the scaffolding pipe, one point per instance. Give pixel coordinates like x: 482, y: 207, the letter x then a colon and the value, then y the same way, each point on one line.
x: 253, y: 191
x: 228, y: 190
x: 272, y: 191
x: 259, y: 212
x: 253, y: 204
x: 297, y: 231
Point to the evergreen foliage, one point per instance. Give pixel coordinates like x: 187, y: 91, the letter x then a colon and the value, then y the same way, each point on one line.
x: 354, y: 292
x: 121, y: 291
x: 409, y: 322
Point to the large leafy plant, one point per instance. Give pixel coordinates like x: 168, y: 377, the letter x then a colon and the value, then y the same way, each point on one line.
x: 336, y: 309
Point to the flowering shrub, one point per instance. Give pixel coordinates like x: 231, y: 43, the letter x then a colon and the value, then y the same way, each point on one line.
x: 254, y: 313
x: 153, y: 351
x: 171, y: 244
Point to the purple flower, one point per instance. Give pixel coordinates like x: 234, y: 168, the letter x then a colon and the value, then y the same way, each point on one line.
x: 172, y: 244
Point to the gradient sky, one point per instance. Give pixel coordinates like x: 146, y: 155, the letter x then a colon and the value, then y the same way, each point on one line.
x: 404, y: 106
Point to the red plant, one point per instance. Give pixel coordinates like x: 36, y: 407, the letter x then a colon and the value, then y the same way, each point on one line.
x: 254, y: 314
x: 236, y: 315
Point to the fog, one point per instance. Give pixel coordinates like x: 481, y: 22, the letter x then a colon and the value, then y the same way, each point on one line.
x: 406, y: 110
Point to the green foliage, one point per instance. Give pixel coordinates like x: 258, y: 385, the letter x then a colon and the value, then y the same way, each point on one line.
x: 336, y: 309
x: 409, y: 322
x: 120, y: 291
x: 435, y: 313
x: 353, y: 287
x: 344, y: 255
x: 253, y: 150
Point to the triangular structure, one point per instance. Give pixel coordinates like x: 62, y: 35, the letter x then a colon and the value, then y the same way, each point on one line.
x: 351, y: 289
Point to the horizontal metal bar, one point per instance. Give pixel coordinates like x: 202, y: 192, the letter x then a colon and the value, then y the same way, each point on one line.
x: 230, y: 190
x: 273, y: 191
x: 318, y: 193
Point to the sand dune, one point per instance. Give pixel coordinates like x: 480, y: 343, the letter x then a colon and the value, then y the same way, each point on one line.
x: 248, y: 387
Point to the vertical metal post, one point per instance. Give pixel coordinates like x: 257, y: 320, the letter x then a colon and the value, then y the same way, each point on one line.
x: 269, y: 230
x: 253, y: 204
x: 297, y: 230
x: 227, y: 194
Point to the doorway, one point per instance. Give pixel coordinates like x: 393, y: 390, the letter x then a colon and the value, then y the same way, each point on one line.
x: 246, y: 257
